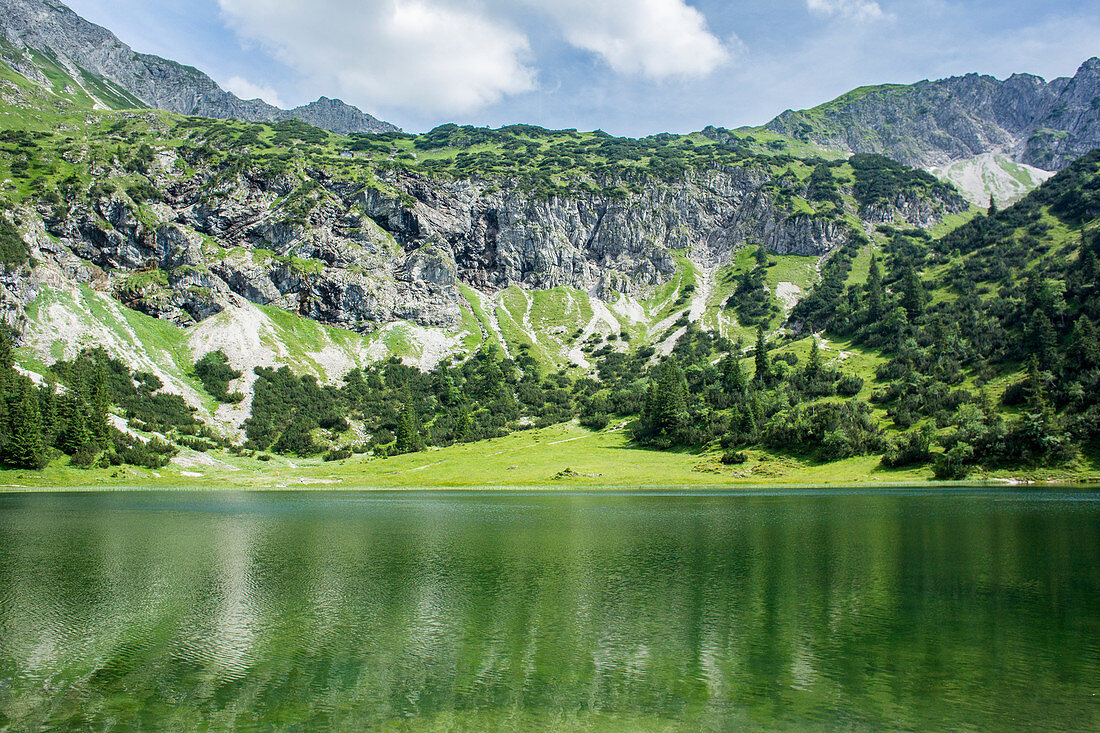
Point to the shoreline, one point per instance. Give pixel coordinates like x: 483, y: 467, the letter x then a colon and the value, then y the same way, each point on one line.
x: 653, y: 489
x: 555, y: 459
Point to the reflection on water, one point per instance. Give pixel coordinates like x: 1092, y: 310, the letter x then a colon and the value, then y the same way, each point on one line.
x: 855, y: 610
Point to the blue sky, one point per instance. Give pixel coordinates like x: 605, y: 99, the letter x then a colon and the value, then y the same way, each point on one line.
x: 630, y: 67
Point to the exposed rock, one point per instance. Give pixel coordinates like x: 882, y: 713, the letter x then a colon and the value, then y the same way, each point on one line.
x: 401, y: 248
x: 934, y: 123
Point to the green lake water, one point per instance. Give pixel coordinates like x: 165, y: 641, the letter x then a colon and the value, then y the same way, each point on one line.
x: 794, y: 610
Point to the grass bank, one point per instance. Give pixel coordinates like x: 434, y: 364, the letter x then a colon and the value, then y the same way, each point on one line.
x: 563, y: 456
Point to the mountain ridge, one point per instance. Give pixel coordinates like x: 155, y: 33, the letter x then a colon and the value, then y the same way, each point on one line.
x: 92, y: 56
x: 932, y: 124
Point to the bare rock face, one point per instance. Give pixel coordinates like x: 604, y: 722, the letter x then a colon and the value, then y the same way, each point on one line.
x: 403, y: 247
x: 934, y: 123
x: 82, y: 48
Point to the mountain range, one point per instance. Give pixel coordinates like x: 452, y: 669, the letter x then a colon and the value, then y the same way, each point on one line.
x: 46, y: 41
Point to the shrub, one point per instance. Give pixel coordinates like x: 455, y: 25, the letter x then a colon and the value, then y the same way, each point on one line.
x: 339, y: 454
x: 733, y: 458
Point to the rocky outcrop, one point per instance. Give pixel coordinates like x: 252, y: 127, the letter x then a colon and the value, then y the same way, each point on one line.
x: 934, y: 123
x: 402, y: 247
x: 110, y: 71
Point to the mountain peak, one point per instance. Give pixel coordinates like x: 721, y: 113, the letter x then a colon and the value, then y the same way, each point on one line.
x: 936, y: 123
x: 115, y: 76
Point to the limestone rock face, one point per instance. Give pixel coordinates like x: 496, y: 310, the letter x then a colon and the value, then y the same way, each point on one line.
x: 934, y: 123
x: 403, y: 247
x: 82, y: 48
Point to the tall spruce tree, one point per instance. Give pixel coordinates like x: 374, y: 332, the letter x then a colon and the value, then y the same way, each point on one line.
x: 763, y: 366
x: 408, y: 430
x: 98, y: 401
x: 876, y: 294
x: 25, y: 447
x: 813, y: 367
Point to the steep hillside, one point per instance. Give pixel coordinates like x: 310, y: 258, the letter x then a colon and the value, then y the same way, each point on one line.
x: 176, y: 215
x: 936, y: 123
x: 50, y: 44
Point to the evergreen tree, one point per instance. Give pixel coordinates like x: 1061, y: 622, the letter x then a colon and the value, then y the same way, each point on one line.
x: 761, y: 256
x: 490, y: 375
x: 992, y: 210
x: 296, y: 439
x: 25, y: 448
x: 763, y: 367
x: 463, y: 423
x: 913, y: 294
x: 75, y: 437
x: 876, y: 294
x: 665, y: 410
x: 1084, y: 348
x: 733, y: 376
x: 408, y: 431
x: 813, y: 366
x: 1040, y: 336
x: 1034, y: 387
x: 98, y: 400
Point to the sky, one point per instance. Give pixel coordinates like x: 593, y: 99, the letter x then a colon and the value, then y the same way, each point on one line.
x: 629, y: 67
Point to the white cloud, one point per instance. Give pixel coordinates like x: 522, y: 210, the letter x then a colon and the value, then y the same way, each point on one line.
x: 653, y: 38
x: 859, y: 10
x: 428, y: 55
x: 245, y: 89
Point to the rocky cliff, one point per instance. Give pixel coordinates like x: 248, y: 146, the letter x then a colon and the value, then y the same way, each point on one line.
x: 42, y: 36
x: 934, y: 123
x: 361, y: 253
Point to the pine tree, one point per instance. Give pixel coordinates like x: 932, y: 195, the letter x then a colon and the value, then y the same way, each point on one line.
x: 75, y: 436
x: 992, y: 211
x: 26, y: 448
x: 490, y: 374
x: 408, y: 430
x: 1034, y: 388
x: 876, y: 294
x: 813, y: 368
x: 463, y: 423
x: 761, y: 257
x: 98, y: 400
x: 733, y: 376
x: 913, y: 294
x: 47, y: 405
x: 763, y: 367
x: 671, y: 398
x: 1041, y: 338
x: 1084, y: 347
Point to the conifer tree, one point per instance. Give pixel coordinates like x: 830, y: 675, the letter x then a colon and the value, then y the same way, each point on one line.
x: 75, y: 437
x: 763, y: 367
x: 1084, y: 347
x: 813, y: 367
x: 1041, y: 338
x: 913, y: 295
x: 733, y: 376
x: 1034, y: 389
x: 47, y: 405
x: 992, y: 211
x: 25, y: 448
x: 408, y: 430
x: 98, y: 400
x: 876, y: 294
